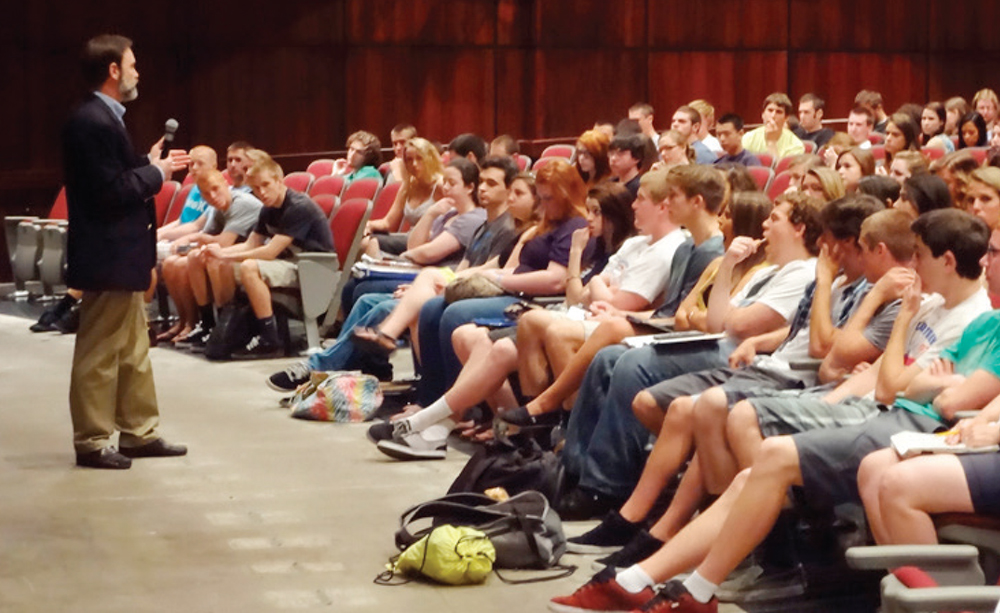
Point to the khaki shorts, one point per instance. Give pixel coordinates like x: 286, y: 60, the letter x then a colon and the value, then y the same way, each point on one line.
x: 276, y: 273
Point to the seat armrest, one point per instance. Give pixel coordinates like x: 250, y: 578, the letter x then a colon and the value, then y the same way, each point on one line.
x: 891, y: 556
x: 952, y: 598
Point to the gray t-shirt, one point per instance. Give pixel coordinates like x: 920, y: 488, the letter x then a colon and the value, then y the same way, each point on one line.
x: 240, y: 218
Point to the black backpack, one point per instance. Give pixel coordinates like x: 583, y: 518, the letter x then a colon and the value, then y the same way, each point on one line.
x: 232, y: 331
x: 518, y: 464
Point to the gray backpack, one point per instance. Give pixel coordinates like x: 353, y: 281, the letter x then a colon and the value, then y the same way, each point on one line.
x: 525, y: 531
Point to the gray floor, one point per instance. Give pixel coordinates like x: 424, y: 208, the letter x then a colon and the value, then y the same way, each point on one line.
x: 266, y: 513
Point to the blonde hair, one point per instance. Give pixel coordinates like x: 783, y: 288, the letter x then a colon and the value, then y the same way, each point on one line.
x: 428, y: 153
x: 210, y: 155
x: 263, y: 162
x: 830, y: 181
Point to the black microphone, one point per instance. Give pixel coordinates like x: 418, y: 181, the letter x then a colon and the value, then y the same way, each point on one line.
x: 169, y: 129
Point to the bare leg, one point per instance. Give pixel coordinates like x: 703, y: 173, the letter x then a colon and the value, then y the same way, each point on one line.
x: 485, y: 370
x: 718, y: 464
x: 169, y: 281
x: 673, y: 445
x: 689, y: 495
x: 223, y: 279
x: 743, y: 433
x: 566, y: 384
x: 257, y: 291
x: 562, y: 341
x: 180, y: 291
x: 913, y: 490
x: 429, y: 283
x: 533, y: 370
x: 198, y: 279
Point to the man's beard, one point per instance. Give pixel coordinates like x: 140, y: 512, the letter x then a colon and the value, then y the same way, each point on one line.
x: 128, y: 93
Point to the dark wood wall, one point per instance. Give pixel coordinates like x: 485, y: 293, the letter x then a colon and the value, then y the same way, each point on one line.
x: 298, y: 77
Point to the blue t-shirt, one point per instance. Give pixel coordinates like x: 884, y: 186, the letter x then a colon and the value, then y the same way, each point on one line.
x: 553, y: 246
x: 194, y: 206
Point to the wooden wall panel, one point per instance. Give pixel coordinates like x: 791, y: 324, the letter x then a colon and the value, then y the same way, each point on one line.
x: 591, y: 24
x: 425, y: 22
x: 736, y: 82
x: 859, y: 25
x: 721, y: 24
x: 443, y: 92
x: 837, y: 77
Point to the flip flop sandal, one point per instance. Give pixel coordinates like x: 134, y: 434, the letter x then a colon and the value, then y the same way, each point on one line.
x: 373, y: 340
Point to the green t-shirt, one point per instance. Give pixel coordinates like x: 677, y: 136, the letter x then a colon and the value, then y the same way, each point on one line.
x: 365, y: 172
x: 977, y: 349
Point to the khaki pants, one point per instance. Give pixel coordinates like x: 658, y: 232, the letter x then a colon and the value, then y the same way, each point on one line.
x: 111, y: 385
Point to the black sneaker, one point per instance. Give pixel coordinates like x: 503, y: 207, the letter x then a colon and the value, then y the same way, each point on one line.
x: 382, y: 431
x: 614, y: 532
x: 641, y: 546
x: 290, y: 379
x: 756, y: 584
x: 580, y: 505
x: 258, y: 349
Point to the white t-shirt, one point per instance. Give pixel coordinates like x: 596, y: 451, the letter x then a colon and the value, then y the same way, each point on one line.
x: 934, y: 327
x: 712, y: 143
x: 783, y: 290
x: 643, y: 268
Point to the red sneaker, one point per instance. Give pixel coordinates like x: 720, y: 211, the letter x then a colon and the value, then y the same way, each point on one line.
x: 675, y: 598
x: 601, y: 593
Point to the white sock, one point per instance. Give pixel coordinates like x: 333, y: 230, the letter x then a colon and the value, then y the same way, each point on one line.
x: 700, y: 588
x: 633, y: 579
x: 434, y: 422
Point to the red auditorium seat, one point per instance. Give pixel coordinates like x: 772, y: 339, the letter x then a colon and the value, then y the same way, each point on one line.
x: 177, y: 204
x: 761, y: 175
x: 561, y: 151
x: 878, y: 151
x: 779, y: 184
x: 327, y: 202
x: 809, y: 145
x: 320, y: 168
x: 59, y: 210
x: 333, y: 185
x: 163, y: 199
x: 299, y: 181
x: 384, y: 200
x: 876, y: 139
x: 523, y: 162
x: 932, y: 153
x: 766, y: 159
x: 782, y: 164
x: 362, y: 188
x: 979, y: 153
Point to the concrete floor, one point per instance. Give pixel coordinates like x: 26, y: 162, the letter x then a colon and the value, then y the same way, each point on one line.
x: 266, y: 513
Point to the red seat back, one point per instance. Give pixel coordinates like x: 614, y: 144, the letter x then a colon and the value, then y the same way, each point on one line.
x: 177, y: 204
x: 362, y: 188
x: 782, y: 164
x: 809, y: 145
x: 59, y: 208
x: 386, y: 196
x: 766, y: 159
x: 333, y: 185
x: 320, y: 168
x: 979, y: 153
x: 761, y: 175
x: 345, y: 223
x: 932, y: 153
x: 523, y: 162
x: 561, y: 151
x: 779, y: 184
x: 163, y: 199
x: 327, y: 202
x: 299, y: 181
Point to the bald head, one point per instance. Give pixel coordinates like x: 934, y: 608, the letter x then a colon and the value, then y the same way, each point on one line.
x: 203, y: 159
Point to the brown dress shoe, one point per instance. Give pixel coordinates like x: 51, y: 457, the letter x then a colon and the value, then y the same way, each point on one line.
x: 103, y: 458
x: 156, y: 449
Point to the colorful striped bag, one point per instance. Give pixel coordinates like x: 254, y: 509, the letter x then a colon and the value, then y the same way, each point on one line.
x: 341, y: 396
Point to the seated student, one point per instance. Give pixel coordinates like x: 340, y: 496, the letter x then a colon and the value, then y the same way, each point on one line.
x: 231, y: 218
x: 986, y: 103
x: 203, y: 159
x: 592, y: 157
x: 289, y: 222
x: 469, y: 146
x: 538, y: 269
x: 984, y: 195
x: 635, y: 278
x: 872, y: 100
x: 811, y: 120
x: 510, y: 203
x: 859, y: 126
x: 490, y: 356
x: 674, y: 151
x: 773, y: 137
x: 642, y: 113
x: 422, y: 176
x: 696, y: 196
x: 364, y: 155
x: 503, y: 146
x: 905, y: 164
x: 688, y: 411
x: 440, y: 237
x: 955, y: 109
x: 954, y: 169
x: 823, y: 184
x: 627, y: 158
x: 921, y: 194
x: 237, y: 164
x: 687, y: 121
x: 932, y: 124
x: 399, y: 136
x: 707, y: 112
x: 901, y: 495
x: 605, y: 443
x: 901, y: 134
x: 972, y: 131
x: 853, y: 165
x: 729, y: 129
x: 824, y: 462
x: 884, y: 189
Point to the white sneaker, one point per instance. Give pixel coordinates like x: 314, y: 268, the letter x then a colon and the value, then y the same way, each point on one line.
x: 409, y: 445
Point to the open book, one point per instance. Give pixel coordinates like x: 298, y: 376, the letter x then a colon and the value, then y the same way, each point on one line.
x: 909, y: 444
x: 672, y: 338
x: 389, y: 269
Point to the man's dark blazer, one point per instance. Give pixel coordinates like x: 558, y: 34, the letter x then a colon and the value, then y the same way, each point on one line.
x: 109, y: 190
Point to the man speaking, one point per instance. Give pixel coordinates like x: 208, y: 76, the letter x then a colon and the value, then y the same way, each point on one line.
x: 111, y: 251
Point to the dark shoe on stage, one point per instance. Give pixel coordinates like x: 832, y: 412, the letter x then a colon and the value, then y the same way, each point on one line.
x: 373, y: 340
x: 157, y: 449
x: 259, y: 349
x: 521, y: 417
x: 103, y: 458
